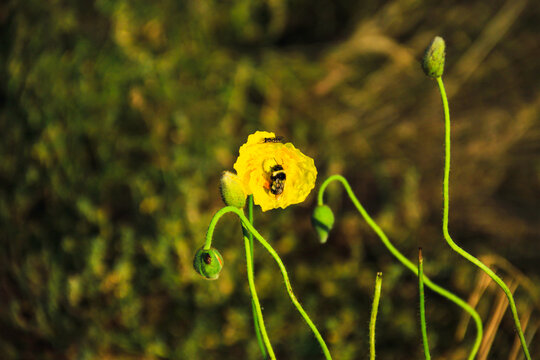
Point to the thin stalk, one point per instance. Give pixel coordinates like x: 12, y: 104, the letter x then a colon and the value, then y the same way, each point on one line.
x: 256, y: 305
x: 373, y: 319
x: 249, y: 236
x: 281, y: 266
x: 422, y: 305
x: 250, y: 218
x: 446, y: 233
x: 408, y: 264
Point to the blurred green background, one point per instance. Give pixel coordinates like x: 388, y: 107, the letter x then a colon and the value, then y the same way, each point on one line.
x: 118, y: 117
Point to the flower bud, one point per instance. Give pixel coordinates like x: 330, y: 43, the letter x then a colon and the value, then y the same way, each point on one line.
x: 322, y: 220
x: 232, y: 190
x: 433, y: 61
x: 208, y: 263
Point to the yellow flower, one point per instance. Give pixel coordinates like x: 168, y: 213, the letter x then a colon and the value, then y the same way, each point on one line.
x: 260, y: 161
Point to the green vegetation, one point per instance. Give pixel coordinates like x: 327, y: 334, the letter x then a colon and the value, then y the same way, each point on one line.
x: 118, y: 118
x: 422, y: 305
x: 373, y: 319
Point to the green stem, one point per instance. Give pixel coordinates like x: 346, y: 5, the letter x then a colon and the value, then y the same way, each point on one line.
x: 256, y: 306
x: 446, y: 233
x: 422, y: 305
x: 373, y: 320
x: 276, y: 257
x: 408, y: 264
x: 248, y: 239
x: 250, y: 218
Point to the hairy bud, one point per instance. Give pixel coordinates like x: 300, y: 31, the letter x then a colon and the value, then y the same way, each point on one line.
x: 232, y: 190
x: 208, y: 263
x: 433, y: 61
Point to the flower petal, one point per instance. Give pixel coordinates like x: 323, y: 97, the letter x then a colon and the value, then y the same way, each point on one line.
x: 256, y: 162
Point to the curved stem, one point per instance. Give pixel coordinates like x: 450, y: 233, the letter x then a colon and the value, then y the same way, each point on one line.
x: 248, y: 241
x: 446, y: 233
x: 373, y: 319
x: 408, y: 264
x: 422, y: 305
x: 276, y: 257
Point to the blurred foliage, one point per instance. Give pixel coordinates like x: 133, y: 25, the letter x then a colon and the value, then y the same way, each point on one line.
x: 117, y: 118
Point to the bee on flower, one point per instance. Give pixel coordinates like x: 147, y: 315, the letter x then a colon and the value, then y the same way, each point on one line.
x: 277, y: 174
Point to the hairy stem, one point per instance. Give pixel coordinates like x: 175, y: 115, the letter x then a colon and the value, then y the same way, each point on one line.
x: 408, y: 264
x: 276, y: 257
x: 422, y: 305
x: 256, y: 306
x: 373, y: 319
x: 446, y: 233
x: 249, y: 236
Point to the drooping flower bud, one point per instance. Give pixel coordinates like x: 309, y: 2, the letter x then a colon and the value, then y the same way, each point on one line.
x: 232, y: 190
x: 208, y: 263
x: 433, y: 60
x: 323, y: 221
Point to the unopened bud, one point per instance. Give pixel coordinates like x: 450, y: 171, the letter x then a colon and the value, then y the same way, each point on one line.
x: 208, y: 263
x: 433, y: 61
x: 232, y: 190
x: 322, y: 220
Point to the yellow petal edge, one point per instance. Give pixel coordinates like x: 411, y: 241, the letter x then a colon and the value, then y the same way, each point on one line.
x: 254, y: 167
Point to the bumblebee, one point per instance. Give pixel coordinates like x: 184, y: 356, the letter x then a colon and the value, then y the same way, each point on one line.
x: 276, y: 139
x: 277, y: 177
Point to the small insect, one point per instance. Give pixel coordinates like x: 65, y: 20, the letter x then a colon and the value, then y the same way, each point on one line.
x: 276, y: 139
x: 207, y: 259
x: 278, y: 178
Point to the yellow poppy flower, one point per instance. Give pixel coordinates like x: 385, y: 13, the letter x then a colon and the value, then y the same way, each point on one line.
x: 277, y: 174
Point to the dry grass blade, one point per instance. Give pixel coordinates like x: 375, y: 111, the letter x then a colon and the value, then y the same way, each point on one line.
x: 482, y: 282
x: 492, y: 34
x: 532, y: 289
x: 494, y: 322
x: 516, y: 348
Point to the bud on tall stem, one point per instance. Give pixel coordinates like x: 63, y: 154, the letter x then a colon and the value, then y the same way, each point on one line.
x: 433, y: 60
